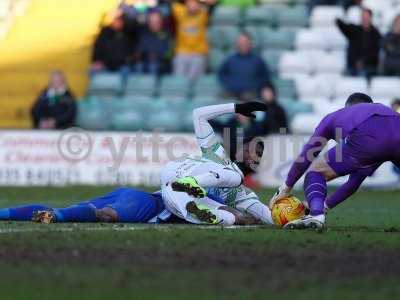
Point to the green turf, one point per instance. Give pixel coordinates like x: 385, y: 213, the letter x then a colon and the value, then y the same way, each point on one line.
x: 357, y: 257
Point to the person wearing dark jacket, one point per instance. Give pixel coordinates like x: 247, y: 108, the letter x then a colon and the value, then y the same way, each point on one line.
x: 113, y: 48
x: 364, y: 45
x: 243, y: 73
x: 55, y: 107
x: 274, y: 120
x: 391, y: 48
x: 153, y: 46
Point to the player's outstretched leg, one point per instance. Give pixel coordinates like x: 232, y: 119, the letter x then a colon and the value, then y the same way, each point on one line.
x: 202, y: 213
x: 190, y: 186
x: 75, y: 213
x: 20, y: 213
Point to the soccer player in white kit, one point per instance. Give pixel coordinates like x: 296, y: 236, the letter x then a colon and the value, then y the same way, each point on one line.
x: 186, y: 183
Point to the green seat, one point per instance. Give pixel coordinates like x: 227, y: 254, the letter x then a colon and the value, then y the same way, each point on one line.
x: 255, y: 33
x: 199, y: 101
x: 222, y: 37
x: 293, y: 17
x: 174, y: 101
x: 92, y: 115
x: 206, y: 85
x: 215, y: 59
x: 271, y: 57
x: 174, y: 85
x: 293, y: 107
x: 226, y: 15
x: 143, y: 85
x: 260, y: 16
x: 165, y: 120
x: 278, y: 39
x: 131, y: 120
x: 286, y: 88
x: 105, y: 85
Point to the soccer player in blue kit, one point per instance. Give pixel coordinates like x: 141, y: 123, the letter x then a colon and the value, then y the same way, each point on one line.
x: 125, y: 205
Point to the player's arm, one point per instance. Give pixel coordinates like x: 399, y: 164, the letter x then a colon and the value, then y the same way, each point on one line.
x: 322, y: 134
x: 240, y: 218
x: 212, y: 148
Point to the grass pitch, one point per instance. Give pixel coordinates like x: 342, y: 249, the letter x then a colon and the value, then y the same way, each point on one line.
x: 357, y: 257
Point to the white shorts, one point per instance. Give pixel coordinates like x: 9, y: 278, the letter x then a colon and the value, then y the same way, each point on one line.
x: 176, y: 203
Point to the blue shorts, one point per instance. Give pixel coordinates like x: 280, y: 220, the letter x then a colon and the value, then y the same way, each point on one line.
x: 131, y: 205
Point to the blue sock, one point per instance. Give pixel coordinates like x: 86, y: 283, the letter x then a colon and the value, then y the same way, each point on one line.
x: 315, y: 191
x: 20, y: 213
x: 76, y: 213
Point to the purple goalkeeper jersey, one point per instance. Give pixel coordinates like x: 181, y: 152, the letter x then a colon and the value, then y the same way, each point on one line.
x: 337, y: 125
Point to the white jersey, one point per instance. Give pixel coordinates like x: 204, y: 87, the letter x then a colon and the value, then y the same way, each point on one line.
x: 215, y: 161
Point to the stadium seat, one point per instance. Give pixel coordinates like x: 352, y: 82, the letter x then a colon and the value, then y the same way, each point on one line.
x: 313, y: 87
x: 226, y: 15
x: 278, y: 39
x: 129, y: 120
x: 256, y: 36
x: 286, y: 88
x: 293, y: 17
x: 325, y: 15
x: 348, y: 85
x: 271, y: 57
x: 329, y: 107
x: 310, y: 40
x: 92, y: 115
x: 385, y: 88
x: 174, y: 101
x: 206, y: 85
x: 293, y: 107
x: 105, y: 84
x: 165, y: 120
x: 329, y: 62
x: 143, y: 85
x: 222, y: 37
x: 199, y: 101
x: 294, y: 63
x: 215, y: 59
x: 305, y: 123
x: 333, y: 38
x: 261, y: 16
x: 174, y: 85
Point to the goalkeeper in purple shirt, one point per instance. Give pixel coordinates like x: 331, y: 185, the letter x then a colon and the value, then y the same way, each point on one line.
x: 367, y: 134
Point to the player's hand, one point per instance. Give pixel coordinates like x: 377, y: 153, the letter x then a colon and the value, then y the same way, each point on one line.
x: 282, y: 192
x: 247, y: 108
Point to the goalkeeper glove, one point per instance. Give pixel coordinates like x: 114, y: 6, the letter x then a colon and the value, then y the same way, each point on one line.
x: 248, y: 108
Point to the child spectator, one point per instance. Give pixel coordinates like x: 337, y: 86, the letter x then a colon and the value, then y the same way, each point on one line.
x: 55, y: 107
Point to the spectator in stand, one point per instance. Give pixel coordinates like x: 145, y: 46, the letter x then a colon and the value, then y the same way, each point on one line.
x: 391, y: 48
x: 55, y: 108
x: 153, y: 46
x: 364, y: 45
x: 191, y: 20
x: 114, y: 47
x: 274, y: 120
x: 243, y: 73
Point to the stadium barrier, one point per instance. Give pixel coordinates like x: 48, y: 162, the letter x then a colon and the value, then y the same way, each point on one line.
x: 75, y: 157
